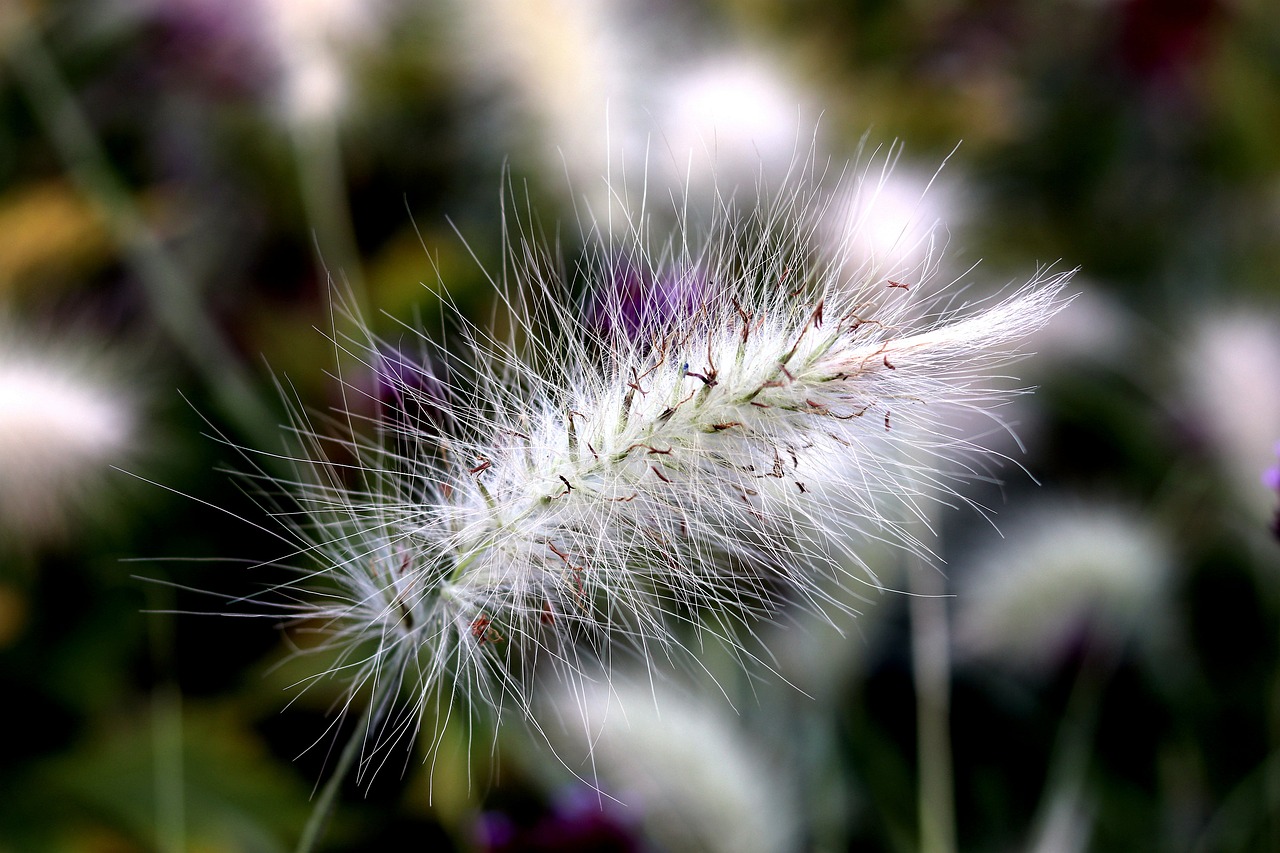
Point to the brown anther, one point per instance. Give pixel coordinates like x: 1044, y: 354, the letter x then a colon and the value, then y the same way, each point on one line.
x: 709, y: 381
x: 484, y: 632
x: 634, y: 384
x: 778, y: 468
x: 484, y: 465
x: 887, y: 364
x: 725, y: 425
x: 899, y: 284
x: 661, y: 476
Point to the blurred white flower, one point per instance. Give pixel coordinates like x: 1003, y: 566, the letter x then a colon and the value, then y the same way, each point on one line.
x: 687, y: 768
x: 301, y: 48
x: 1064, y: 574
x: 549, y: 72
x: 1230, y: 372
x: 727, y: 119
x: 613, y: 88
x: 63, y: 422
x: 894, y: 220
x: 313, y: 40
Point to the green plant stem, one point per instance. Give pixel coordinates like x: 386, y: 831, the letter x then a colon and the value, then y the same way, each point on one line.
x: 931, y: 664
x: 1065, y: 785
x: 325, y: 803
x: 322, y: 185
x: 166, y: 727
x: 173, y: 297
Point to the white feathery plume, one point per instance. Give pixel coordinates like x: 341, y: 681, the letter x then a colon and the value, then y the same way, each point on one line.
x: 580, y: 488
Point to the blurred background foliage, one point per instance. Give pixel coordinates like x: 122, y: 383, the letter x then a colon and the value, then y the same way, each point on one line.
x: 178, y: 178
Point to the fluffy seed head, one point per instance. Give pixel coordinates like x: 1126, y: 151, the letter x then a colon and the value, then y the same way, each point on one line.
x: 579, y: 488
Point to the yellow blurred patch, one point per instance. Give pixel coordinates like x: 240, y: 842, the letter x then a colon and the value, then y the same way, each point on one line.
x: 13, y: 615
x: 50, y: 231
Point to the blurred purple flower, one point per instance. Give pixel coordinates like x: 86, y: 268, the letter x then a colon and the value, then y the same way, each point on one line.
x: 1271, y: 476
x: 1271, y: 479
x: 635, y: 301
x: 413, y: 393
x: 397, y: 375
x: 581, y: 821
x: 214, y: 45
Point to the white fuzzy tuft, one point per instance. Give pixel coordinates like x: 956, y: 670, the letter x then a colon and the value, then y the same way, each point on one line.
x: 583, y: 488
x: 63, y: 422
x: 692, y: 775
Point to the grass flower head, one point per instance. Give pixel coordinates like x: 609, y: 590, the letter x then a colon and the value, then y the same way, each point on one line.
x: 522, y: 504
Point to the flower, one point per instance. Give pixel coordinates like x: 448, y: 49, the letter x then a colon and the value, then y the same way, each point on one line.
x: 587, y: 491
x: 618, y: 89
x: 1271, y: 479
x: 1065, y: 575
x: 302, y: 51
x: 892, y: 223
x: 63, y: 422
x: 1229, y: 367
x: 688, y: 770
x: 730, y: 117
x: 580, y: 820
x: 632, y: 302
